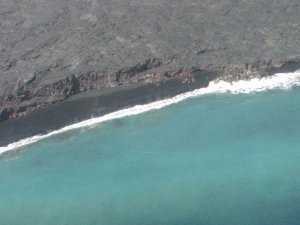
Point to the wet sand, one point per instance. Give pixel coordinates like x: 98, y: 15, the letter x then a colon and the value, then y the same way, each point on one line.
x: 93, y: 104
x: 100, y: 102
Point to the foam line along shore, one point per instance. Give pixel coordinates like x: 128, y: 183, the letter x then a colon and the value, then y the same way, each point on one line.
x: 282, y: 81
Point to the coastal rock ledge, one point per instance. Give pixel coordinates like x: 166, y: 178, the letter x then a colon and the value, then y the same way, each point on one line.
x: 52, y: 50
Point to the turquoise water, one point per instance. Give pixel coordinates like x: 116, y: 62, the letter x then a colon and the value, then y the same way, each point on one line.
x: 218, y: 159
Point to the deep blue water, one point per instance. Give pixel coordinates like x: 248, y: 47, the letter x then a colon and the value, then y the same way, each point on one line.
x: 219, y: 159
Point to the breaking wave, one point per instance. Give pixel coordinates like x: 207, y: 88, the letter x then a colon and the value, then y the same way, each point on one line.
x: 278, y: 81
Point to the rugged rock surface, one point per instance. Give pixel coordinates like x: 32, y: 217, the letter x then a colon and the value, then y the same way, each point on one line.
x: 50, y: 50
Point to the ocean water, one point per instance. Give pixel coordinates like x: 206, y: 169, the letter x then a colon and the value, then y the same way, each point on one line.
x: 215, y: 159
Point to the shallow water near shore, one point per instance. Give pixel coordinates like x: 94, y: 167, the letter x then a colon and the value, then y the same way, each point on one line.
x: 215, y: 159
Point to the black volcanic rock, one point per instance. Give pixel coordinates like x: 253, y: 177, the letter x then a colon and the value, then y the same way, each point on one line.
x: 50, y: 50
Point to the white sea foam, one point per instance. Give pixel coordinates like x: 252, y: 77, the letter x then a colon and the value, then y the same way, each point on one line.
x: 277, y: 81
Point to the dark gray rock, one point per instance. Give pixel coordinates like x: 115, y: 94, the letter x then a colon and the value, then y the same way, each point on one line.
x: 5, y: 113
x: 50, y: 50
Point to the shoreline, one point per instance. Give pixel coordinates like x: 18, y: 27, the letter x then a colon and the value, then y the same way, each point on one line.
x: 98, y: 103
x: 95, y: 103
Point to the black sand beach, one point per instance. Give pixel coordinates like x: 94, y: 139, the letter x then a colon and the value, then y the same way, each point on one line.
x: 94, y: 103
x: 100, y: 102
